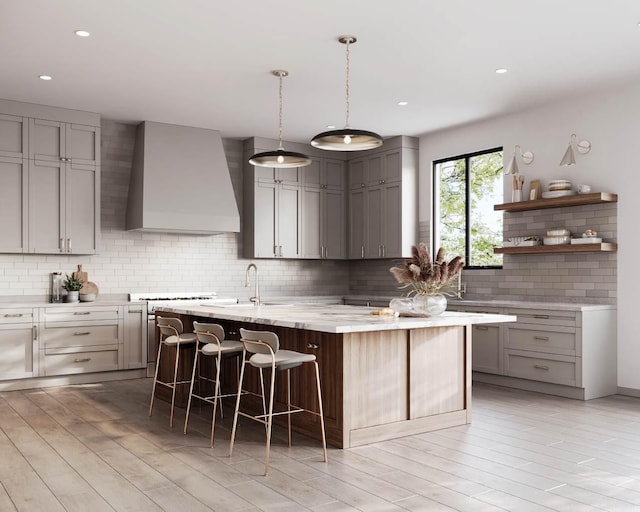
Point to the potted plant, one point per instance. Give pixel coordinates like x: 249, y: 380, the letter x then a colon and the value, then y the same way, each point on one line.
x: 427, y: 279
x: 73, y: 285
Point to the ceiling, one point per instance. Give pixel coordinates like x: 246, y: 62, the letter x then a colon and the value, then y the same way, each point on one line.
x: 207, y: 63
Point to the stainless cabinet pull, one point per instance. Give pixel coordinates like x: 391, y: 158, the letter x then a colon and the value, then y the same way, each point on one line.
x: 543, y: 317
x: 313, y: 345
x: 326, y: 253
x: 62, y: 248
x: 34, y: 329
x: 275, y: 250
x: 13, y: 315
x: 135, y: 311
x: 85, y: 333
x: 541, y: 338
x: 379, y: 251
x: 68, y: 244
x: 541, y: 367
x: 82, y: 360
x: 384, y: 251
x: 362, y: 251
x: 482, y: 328
x: 280, y: 250
x: 82, y: 313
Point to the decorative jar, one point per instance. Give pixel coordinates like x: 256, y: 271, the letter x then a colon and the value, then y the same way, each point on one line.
x: 429, y: 304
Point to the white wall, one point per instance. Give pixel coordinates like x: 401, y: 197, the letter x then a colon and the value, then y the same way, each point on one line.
x: 611, y: 121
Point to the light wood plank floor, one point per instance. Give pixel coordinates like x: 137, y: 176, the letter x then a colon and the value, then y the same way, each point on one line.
x: 92, y: 448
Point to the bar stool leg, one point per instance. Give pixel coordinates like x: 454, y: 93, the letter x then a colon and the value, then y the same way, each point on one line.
x: 235, y: 414
x: 324, y: 437
x: 175, y: 379
x: 264, y: 403
x: 216, y: 397
x: 193, y: 378
x: 289, y: 403
x: 270, y: 419
x: 155, y: 379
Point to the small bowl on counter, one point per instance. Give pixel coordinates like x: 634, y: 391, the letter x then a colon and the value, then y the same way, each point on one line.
x: 87, y: 297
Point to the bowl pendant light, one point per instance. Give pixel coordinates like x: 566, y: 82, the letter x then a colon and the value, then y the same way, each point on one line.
x: 280, y: 158
x: 347, y: 139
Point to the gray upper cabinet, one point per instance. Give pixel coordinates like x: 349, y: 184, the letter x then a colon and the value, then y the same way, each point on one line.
x: 54, y: 141
x: 294, y: 212
x: 324, y: 210
x: 49, y: 184
x: 383, y: 200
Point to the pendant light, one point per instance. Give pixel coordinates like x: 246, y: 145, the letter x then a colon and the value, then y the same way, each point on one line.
x: 347, y: 139
x: 280, y: 158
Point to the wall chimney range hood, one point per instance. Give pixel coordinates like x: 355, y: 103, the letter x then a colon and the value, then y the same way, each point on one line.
x: 180, y: 182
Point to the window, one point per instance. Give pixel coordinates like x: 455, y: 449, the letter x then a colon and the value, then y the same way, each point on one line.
x: 465, y: 188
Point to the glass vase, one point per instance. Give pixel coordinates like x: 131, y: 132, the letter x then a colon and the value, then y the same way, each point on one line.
x: 429, y: 304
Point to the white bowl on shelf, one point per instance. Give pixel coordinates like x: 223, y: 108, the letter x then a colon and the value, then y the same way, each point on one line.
x: 556, y: 240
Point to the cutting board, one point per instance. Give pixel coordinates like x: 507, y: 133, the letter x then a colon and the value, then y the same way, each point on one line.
x: 87, y: 287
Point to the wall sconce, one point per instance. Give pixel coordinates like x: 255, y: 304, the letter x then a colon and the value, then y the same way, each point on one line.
x: 526, y: 157
x: 582, y: 146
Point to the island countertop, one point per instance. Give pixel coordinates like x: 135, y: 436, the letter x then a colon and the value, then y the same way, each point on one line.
x: 333, y: 318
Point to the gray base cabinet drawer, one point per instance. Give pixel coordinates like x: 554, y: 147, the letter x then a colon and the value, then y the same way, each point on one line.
x: 79, y: 336
x: 558, y: 340
x: 16, y: 316
x: 556, y: 369
x: 80, y: 362
x: 546, y: 317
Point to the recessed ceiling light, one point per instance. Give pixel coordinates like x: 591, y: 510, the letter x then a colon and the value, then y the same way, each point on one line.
x: 82, y: 33
x: 331, y: 126
x: 501, y: 71
x: 402, y: 103
x: 45, y: 77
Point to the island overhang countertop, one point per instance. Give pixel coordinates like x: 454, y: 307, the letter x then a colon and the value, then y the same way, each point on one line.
x: 333, y: 318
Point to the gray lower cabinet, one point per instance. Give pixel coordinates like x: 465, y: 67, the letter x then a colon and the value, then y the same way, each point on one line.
x: 18, y: 343
x: 80, y: 341
x: 49, y: 179
x: 135, y: 336
x: 565, y: 352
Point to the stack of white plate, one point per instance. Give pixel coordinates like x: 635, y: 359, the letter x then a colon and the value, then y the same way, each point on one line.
x: 558, y: 236
x: 558, y: 188
x: 559, y: 185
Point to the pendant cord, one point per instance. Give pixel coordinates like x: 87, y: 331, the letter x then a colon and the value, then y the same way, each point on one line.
x: 348, y: 41
x: 280, y: 113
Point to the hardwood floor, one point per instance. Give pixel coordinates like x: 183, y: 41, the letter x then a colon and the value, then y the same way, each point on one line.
x: 92, y: 448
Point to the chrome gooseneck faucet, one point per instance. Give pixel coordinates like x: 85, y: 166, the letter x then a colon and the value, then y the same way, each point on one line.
x: 256, y: 298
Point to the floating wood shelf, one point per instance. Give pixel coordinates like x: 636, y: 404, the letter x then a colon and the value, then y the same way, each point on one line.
x: 549, y: 249
x: 558, y: 202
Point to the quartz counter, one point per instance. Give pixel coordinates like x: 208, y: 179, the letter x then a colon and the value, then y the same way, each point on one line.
x: 382, y: 377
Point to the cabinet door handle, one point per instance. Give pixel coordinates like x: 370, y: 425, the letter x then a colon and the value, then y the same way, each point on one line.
x: 362, y: 251
x: 13, y: 315
x: 62, y: 247
x: 379, y: 251
x: 280, y: 251
x: 384, y: 251
x: 541, y: 367
x: 275, y: 250
x: 34, y: 329
x: 68, y: 244
x: 82, y: 312
x: 543, y: 317
x: 83, y: 333
x: 135, y: 311
x: 82, y: 360
x: 326, y: 252
x: 362, y: 185
x: 313, y: 345
x: 541, y: 338
x: 482, y: 328
x: 383, y: 181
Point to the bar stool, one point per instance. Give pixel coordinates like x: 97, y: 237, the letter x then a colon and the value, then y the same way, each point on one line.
x: 171, y: 334
x: 211, y: 342
x: 264, y: 347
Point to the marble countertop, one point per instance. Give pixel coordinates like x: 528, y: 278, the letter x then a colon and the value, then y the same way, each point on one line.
x: 332, y: 318
x: 502, y: 303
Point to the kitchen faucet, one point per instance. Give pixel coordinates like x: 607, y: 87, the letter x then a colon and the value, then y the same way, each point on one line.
x: 256, y: 298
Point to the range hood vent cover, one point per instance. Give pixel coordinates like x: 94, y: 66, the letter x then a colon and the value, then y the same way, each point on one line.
x: 180, y: 182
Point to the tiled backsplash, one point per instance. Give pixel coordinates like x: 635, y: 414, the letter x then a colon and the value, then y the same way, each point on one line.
x: 132, y: 261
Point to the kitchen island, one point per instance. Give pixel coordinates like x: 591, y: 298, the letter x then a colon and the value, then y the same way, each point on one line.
x: 382, y: 376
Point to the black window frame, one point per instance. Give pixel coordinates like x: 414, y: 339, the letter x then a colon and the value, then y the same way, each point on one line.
x: 467, y: 213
